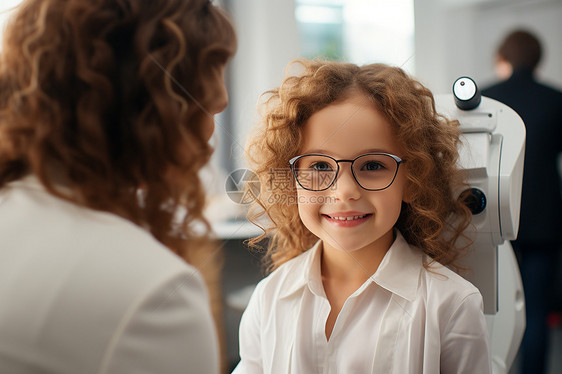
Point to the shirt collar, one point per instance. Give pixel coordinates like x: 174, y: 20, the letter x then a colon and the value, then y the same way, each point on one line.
x: 304, y: 271
x: 398, y: 271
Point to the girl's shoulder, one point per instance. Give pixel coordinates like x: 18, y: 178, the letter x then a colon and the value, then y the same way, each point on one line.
x: 407, y: 271
x: 433, y: 276
x: 289, y: 277
x: 440, y: 274
x: 440, y: 283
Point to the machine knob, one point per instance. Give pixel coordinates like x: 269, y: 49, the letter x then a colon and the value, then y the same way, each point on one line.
x: 466, y: 93
x: 474, y: 199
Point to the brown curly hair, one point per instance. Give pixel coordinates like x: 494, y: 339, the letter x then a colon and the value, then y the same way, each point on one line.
x: 107, y: 97
x: 428, y: 139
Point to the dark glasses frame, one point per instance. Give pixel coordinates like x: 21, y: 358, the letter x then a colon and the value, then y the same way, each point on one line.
x: 397, y: 159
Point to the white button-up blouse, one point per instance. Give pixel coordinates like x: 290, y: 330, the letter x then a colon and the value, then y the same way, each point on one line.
x: 403, y: 319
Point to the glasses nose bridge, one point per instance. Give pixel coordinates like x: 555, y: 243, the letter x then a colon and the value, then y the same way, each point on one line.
x: 344, y: 160
x: 350, y: 168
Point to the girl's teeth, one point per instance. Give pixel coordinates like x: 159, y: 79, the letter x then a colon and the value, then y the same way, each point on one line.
x: 348, y: 218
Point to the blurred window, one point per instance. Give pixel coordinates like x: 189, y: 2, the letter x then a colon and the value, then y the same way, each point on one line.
x: 358, y: 31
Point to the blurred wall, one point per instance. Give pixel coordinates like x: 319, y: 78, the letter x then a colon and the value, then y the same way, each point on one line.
x: 268, y: 39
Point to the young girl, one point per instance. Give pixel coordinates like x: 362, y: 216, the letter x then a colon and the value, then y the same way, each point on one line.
x: 359, y: 283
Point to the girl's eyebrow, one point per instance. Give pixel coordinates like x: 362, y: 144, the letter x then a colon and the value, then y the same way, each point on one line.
x: 323, y: 151
x: 326, y: 152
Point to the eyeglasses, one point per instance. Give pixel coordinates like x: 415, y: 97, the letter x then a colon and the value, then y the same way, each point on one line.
x: 372, y: 171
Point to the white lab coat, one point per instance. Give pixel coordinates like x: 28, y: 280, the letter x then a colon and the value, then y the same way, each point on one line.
x: 88, y: 292
x: 404, y: 319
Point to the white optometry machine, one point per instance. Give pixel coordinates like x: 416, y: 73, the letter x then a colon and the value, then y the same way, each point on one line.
x: 492, y: 153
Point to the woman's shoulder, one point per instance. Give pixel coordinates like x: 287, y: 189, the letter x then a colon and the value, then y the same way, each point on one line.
x: 68, y: 230
x: 99, y: 259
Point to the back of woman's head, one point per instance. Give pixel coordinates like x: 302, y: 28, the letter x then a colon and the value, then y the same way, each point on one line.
x: 429, y: 142
x: 110, y: 98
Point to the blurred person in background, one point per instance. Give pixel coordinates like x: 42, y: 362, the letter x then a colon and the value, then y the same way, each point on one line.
x: 106, y: 109
x: 538, y: 242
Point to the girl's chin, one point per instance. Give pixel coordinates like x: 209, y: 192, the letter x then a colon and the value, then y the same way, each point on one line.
x: 344, y: 246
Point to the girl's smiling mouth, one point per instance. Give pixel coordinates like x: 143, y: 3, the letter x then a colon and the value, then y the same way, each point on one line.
x: 347, y: 219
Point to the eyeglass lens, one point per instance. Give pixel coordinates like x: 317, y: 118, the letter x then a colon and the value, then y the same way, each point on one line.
x: 372, y: 171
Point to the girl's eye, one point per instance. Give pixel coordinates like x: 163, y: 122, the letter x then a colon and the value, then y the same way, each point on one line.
x: 321, y: 166
x: 372, y: 166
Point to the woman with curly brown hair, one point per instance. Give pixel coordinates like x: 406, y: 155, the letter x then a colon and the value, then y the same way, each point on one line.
x: 362, y: 231
x: 106, y: 109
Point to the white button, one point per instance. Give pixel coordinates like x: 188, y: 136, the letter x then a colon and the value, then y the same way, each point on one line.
x: 464, y: 89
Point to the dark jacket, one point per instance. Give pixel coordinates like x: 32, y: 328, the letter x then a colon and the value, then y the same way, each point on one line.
x: 540, y: 107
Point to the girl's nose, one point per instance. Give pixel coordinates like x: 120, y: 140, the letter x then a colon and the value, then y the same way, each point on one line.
x: 345, y: 186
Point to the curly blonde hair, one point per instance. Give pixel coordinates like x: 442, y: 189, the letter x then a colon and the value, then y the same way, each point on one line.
x: 108, y: 96
x: 428, y: 139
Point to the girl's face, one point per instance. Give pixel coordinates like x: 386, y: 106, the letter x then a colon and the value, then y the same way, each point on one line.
x: 345, y: 130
